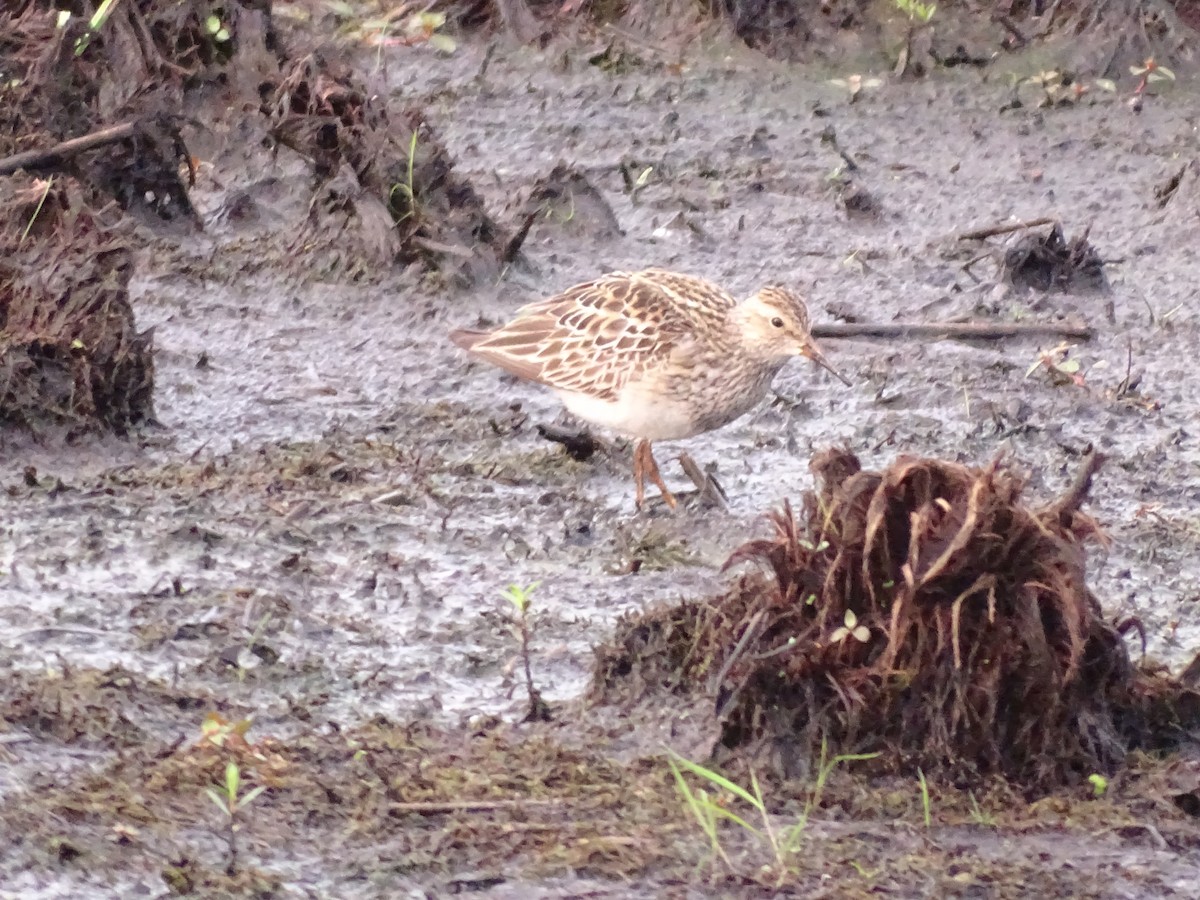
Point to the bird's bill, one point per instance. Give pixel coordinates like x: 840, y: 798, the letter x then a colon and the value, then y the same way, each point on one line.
x: 810, y: 350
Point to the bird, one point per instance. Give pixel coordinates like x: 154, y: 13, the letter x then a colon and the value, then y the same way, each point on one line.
x: 653, y: 355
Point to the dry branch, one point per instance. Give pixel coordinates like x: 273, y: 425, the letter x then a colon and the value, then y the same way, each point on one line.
x: 956, y: 330
x: 979, y: 234
x: 53, y: 157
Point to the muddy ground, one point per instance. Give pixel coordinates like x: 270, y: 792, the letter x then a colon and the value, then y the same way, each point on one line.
x: 318, y: 534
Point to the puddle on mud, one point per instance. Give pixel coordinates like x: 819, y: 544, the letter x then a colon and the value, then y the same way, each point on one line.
x: 252, y: 518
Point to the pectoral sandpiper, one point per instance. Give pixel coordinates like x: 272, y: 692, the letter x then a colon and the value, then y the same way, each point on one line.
x: 653, y: 355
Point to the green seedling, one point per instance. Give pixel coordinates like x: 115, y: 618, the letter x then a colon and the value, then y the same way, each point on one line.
x: 710, y: 809
x: 521, y: 600
x: 925, y: 810
x: 419, y: 28
x: 407, y: 189
x: 1063, y: 368
x: 856, y: 84
x: 229, y: 799
x: 217, y: 30
x: 102, y: 14
x: 850, y: 626
x: 1099, y: 784
x: 979, y: 815
x: 1149, y: 72
x: 917, y: 11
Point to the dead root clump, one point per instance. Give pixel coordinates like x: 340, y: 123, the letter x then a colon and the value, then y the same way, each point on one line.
x: 1110, y: 35
x: 1046, y: 261
x: 70, y: 352
x: 924, y: 612
x: 384, y: 178
x: 65, y: 80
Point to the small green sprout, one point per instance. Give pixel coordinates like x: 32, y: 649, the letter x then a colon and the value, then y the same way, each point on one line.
x: 1099, y: 784
x: 979, y: 815
x: 709, y: 811
x: 917, y: 11
x: 856, y: 84
x: 926, y: 815
x: 231, y: 802
x: 850, y: 627
x: 521, y: 600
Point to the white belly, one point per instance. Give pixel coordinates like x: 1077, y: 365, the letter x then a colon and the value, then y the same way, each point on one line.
x: 635, y: 414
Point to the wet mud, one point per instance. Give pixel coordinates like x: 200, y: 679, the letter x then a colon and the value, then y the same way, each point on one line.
x: 316, y: 531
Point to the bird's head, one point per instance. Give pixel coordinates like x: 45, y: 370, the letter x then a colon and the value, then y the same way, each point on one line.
x: 775, y: 323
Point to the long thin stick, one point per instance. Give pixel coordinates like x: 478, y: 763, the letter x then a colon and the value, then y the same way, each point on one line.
x: 936, y: 330
x: 435, y: 807
x: 34, y: 160
x: 978, y: 234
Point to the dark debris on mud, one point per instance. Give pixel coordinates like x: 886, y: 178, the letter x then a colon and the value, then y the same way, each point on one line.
x: 924, y: 612
x: 1047, y: 261
x: 1119, y: 32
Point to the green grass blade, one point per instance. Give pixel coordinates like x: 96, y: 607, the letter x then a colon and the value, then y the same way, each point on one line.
x: 719, y: 780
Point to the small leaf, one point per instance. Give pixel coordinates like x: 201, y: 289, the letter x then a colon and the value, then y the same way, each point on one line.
x: 222, y: 36
x: 216, y: 798
x: 64, y: 16
x: 443, y: 43
x: 862, y: 634
x: 233, y: 778
x: 1106, y: 84
x: 252, y: 796
x: 1068, y: 366
x: 212, y: 24
x: 850, y: 619
x: 1099, y: 784
x: 644, y: 177
x: 1165, y: 73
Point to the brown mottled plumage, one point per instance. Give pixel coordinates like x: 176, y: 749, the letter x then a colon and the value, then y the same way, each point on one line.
x: 654, y: 355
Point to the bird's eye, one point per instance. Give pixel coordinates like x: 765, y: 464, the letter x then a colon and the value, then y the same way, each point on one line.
x: 777, y: 322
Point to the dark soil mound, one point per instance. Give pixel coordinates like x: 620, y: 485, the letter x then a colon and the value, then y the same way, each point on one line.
x: 924, y: 612
x: 70, y: 352
x: 384, y: 180
x: 101, y: 107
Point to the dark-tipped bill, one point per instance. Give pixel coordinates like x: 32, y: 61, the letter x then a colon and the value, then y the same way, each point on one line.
x: 810, y: 350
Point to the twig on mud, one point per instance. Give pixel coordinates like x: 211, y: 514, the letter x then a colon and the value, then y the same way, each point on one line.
x: 36, y: 160
x: 829, y: 139
x: 70, y: 629
x: 513, y: 247
x: 1068, y: 504
x: 437, y: 807
x: 711, y: 492
x: 978, y: 234
x: 956, y: 330
x: 1127, y: 382
x: 1008, y: 25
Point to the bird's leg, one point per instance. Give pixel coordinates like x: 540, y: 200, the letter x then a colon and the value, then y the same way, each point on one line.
x: 639, y: 471
x: 650, y: 468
